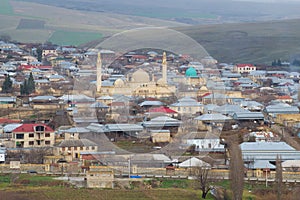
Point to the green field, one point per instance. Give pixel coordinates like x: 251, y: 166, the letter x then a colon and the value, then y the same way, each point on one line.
x: 6, y: 8
x: 73, y: 38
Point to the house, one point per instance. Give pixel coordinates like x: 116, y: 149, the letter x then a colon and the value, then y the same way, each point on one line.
x: 160, y: 136
x: 209, y: 121
x: 280, y: 108
x: 71, y: 148
x: 162, y: 111
x: 8, y: 102
x: 44, y: 102
x: 100, y: 177
x: 249, y: 116
x: 2, y: 154
x: 162, y: 122
x: 33, y: 135
x: 244, y: 68
x: 193, y: 162
x: 206, y: 142
x: 291, y: 165
x: 49, y: 50
x: 268, y: 151
x: 187, y: 105
x: 285, y: 99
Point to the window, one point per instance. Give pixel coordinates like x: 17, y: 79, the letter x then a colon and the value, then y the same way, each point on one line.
x: 39, y: 128
x: 31, y: 142
x: 47, y: 142
x: 75, y: 148
x: 47, y: 134
x: 93, y: 148
x: 19, y: 136
x: 69, y: 148
x: 63, y: 148
x: 81, y: 148
x: 31, y: 135
x: 87, y: 148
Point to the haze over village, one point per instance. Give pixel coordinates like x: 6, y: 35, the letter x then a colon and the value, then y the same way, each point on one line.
x: 147, y: 110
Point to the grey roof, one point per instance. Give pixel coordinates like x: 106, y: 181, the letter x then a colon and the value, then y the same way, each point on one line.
x: 212, y: 117
x: 121, y: 98
x: 123, y: 127
x: 107, y: 83
x: 97, y: 128
x: 193, y: 162
x: 77, y: 98
x: 248, y: 115
x: 76, y: 143
x: 266, y: 146
x: 76, y: 130
x: 43, y: 98
x: 8, y: 99
x: 161, y: 121
x: 291, y: 163
x: 105, y: 98
x: 216, y: 96
x: 268, y: 151
x: 281, y: 108
x: 210, y: 107
x: 261, y: 164
x: 98, y: 105
x: 10, y: 127
x: 229, y: 109
x: 251, y: 104
x: 151, y: 103
x: 187, y: 101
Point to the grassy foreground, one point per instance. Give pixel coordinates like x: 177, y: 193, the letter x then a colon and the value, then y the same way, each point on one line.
x: 36, y: 187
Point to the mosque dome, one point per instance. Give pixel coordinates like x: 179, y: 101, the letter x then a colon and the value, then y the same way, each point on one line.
x: 140, y: 76
x: 119, y: 83
x: 191, y: 72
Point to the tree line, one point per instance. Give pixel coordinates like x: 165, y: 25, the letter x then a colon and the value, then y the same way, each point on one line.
x: 26, y: 88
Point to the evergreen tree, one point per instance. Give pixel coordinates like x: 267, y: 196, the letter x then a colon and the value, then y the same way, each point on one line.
x: 30, y: 84
x: 39, y: 52
x: 7, y: 85
x: 24, y: 88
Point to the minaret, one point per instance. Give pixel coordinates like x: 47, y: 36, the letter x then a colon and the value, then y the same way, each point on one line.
x: 164, y: 68
x: 99, y: 72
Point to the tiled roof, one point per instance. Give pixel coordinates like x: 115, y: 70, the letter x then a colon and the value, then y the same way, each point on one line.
x: 30, y: 128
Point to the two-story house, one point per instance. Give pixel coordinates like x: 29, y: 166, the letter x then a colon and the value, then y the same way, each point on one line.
x: 33, y: 135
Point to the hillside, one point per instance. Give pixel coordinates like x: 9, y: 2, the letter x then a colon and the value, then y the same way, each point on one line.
x: 249, y: 42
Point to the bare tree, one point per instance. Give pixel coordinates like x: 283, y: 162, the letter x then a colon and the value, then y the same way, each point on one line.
x: 36, y: 155
x: 204, y: 178
x: 278, y: 177
x: 236, y: 169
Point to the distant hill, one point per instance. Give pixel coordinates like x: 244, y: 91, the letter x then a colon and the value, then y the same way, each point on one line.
x: 249, y: 42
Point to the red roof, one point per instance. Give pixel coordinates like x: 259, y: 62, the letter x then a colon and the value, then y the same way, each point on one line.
x: 206, y: 94
x: 139, y: 57
x: 44, y: 67
x: 162, y: 109
x: 9, y: 121
x: 245, y: 65
x: 30, y: 128
x: 284, y: 97
x: 26, y: 67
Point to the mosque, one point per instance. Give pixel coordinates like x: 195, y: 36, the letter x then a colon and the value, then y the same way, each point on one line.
x: 137, y: 83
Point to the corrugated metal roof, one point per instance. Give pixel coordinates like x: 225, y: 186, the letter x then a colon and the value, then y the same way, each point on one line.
x: 248, y: 115
x: 212, y: 117
x: 266, y: 146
